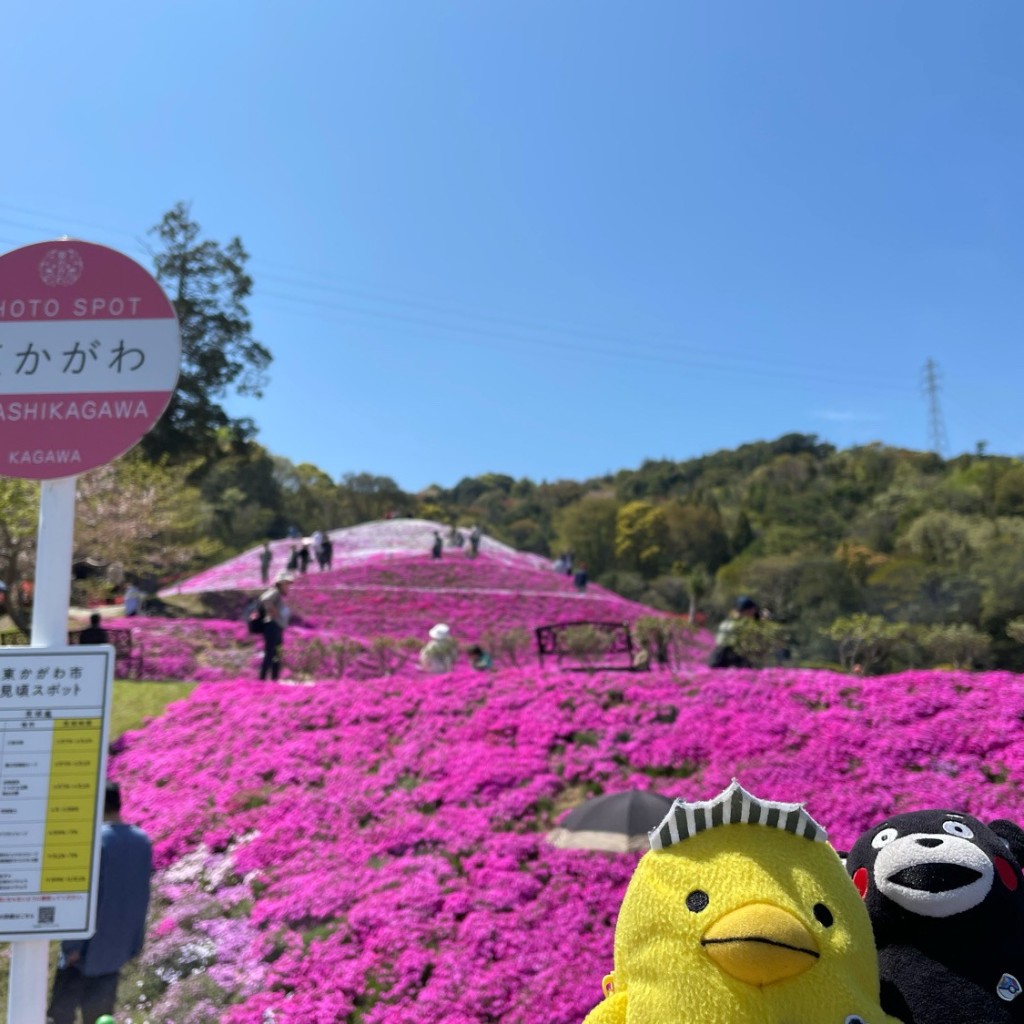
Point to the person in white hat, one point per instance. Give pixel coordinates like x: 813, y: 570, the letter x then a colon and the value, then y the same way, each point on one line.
x: 275, y: 618
x: 440, y: 654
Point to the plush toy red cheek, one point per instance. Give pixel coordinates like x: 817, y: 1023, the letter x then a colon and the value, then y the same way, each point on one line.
x: 860, y: 880
x: 1006, y: 873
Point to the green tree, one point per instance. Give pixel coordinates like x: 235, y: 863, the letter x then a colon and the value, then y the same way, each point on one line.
x: 698, y: 584
x: 208, y: 285
x: 641, y: 537
x: 772, y: 582
x: 19, y: 520
x: 742, y: 535
x: 1015, y: 629
x: 696, y: 535
x: 311, y: 500
x: 587, y: 528
x: 960, y: 645
x: 1009, y: 492
x: 241, y: 489
x: 364, y: 497
x: 940, y: 538
x: 908, y: 590
x: 865, y: 640
x: 140, y: 514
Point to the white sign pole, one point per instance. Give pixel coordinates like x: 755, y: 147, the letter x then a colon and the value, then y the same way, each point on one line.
x: 30, y: 960
x: 52, y: 595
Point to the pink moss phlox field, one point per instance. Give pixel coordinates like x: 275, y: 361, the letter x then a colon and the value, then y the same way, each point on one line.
x: 375, y: 850
x: 377, y: 594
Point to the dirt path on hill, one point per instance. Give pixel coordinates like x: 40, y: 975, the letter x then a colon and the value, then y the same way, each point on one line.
x: 472, y: 590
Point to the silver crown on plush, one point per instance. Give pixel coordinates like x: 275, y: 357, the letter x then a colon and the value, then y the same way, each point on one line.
x: 733, y: 806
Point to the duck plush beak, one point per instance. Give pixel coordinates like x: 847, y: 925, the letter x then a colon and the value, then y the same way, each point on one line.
x: 759, y: 944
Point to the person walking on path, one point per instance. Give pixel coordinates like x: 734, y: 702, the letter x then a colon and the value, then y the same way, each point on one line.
x: 132, y: 600
x: 89, y: 969
x: 94, y: 633
x: 438, y: 545
x: 580, y: 578
x: 474, y: 541
x: 327, y: 552
x: 275, y: 618
x: 266, y: 557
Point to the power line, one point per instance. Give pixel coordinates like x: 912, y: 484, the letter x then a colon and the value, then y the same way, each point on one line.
x: 690, y: 356
x: 438, y: 317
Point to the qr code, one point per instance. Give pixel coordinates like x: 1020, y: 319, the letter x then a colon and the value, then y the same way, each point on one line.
x: 46, y: 915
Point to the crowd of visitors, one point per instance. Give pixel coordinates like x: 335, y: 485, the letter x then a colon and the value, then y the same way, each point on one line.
x: 441, y: 652
x: 457, y: 539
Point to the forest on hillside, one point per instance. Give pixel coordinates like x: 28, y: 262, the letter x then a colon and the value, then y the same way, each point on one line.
x: 902, y: 546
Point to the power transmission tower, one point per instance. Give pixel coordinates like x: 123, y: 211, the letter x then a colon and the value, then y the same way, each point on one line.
x: 936, y: 426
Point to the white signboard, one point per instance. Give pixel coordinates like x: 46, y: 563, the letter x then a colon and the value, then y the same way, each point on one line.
x: 54, y: 715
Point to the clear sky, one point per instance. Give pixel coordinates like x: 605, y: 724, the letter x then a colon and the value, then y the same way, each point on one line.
x: 553, y: 238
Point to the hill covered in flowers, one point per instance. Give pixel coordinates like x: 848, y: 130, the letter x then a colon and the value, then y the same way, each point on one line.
x: 371, y: 610
x: 372, y: 849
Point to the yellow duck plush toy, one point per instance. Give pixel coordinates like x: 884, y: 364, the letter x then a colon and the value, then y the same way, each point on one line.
x: 741, y: 913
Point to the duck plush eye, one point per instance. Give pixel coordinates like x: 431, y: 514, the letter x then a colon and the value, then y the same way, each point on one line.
x: 957, y: 828
x: 697, y: 901
x: 823, y: 915
x: 887, y: 835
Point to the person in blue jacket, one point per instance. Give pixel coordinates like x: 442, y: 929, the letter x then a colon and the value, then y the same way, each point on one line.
x: 89, y: 969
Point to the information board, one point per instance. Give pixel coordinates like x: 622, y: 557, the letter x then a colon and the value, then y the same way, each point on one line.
x: 54, y: 715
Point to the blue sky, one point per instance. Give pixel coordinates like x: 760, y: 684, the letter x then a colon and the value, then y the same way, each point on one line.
x: 552, y: 239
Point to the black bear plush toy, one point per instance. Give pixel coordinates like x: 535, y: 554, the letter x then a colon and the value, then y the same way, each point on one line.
x: 946, y: 900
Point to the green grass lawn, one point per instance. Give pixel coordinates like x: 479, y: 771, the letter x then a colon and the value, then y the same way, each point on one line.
x: 135, y: 702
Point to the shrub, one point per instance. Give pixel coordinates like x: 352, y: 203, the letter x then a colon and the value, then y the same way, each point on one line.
x: 511, y: 645
x: 657, y: 636
x: 865, y: 640
x: 1015, y: 629
x: 960, y: 645
x: 344, y: 653
x: 760, y: 641
x: 586, y: 643
x: 387, y: 654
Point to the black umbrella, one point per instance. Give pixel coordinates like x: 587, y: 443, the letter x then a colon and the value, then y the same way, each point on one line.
x: 614, y: 823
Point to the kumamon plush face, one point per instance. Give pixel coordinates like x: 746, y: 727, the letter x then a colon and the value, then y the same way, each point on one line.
x: 935, y: 864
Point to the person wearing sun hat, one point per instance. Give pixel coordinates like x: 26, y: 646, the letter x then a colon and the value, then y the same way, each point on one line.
x: 275, y: 617
x: 440, y: 654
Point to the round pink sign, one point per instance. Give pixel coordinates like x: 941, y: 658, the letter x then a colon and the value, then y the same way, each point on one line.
x: 89, y: 357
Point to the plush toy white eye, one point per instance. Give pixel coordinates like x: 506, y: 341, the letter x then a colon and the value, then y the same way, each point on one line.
x: 887, y: 835
x: 957, y: 828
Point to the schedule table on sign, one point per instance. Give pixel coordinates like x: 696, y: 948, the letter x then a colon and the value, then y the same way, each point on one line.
x: 54, y: 709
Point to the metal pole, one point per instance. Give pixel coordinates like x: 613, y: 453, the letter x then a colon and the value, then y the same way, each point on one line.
x: 51, y: 598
